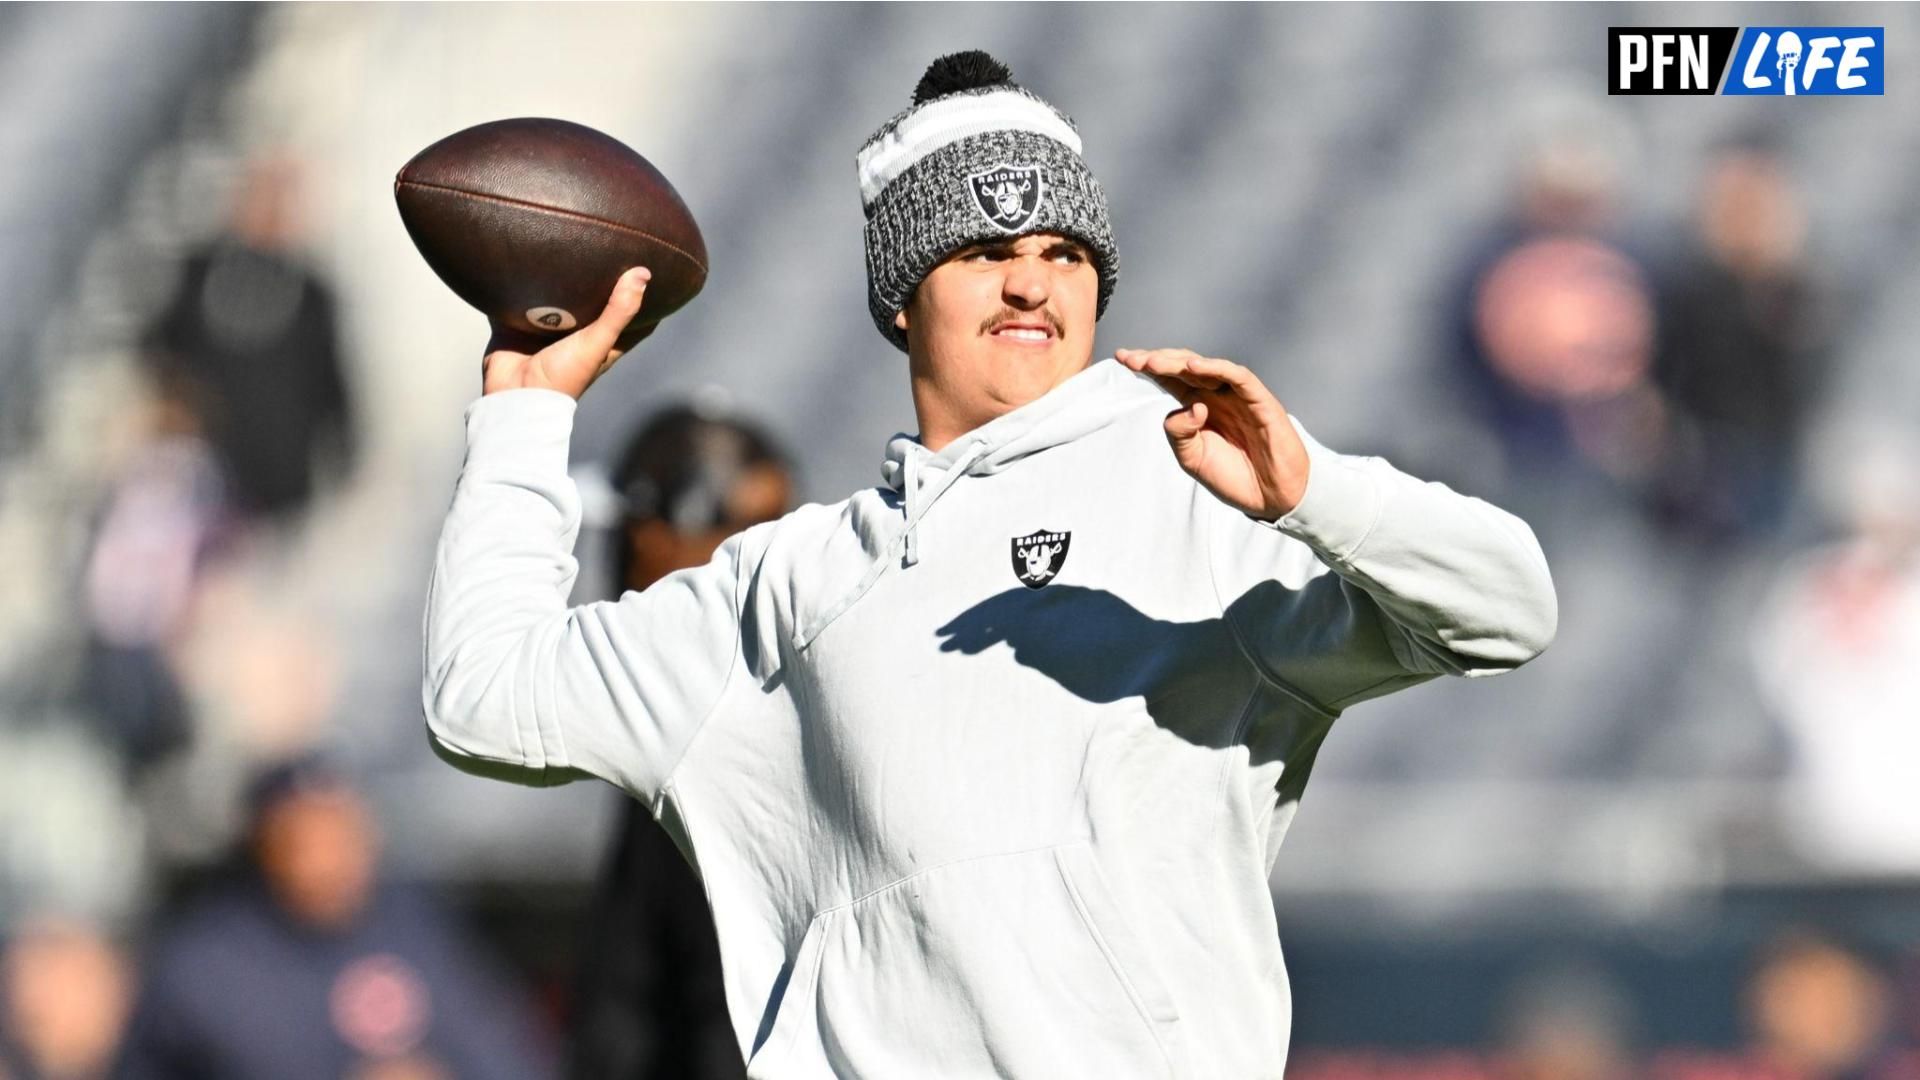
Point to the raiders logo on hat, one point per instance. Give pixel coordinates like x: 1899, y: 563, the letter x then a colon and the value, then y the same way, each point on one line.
x: 1009, y: 195
x: 1037, y: 557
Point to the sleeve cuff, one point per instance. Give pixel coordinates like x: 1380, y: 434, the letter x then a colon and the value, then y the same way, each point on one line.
x: 521, y: 428
x: 1341, y: 504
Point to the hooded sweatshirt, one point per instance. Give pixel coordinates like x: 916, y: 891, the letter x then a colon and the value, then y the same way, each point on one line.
x: 984, y: 770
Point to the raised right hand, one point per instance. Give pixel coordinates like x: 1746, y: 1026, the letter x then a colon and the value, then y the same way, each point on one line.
x: 519, y: 361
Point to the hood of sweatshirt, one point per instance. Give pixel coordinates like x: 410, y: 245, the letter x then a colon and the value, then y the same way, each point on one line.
x: 917, y: 477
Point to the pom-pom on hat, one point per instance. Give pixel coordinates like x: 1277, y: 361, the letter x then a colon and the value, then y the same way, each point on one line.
x: 977, y: 157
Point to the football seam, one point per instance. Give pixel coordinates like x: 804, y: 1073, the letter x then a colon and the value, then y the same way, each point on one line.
x: 575, y: 214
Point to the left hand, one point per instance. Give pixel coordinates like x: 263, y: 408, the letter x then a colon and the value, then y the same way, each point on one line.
x: 1230, y: 434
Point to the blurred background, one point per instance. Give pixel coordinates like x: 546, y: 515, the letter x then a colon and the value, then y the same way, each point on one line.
x: 1673, y: 334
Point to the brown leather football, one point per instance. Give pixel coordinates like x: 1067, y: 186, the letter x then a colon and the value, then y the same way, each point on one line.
x: 533, y: 221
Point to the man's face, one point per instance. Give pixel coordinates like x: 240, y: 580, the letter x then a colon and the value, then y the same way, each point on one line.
x: 1000, y: 323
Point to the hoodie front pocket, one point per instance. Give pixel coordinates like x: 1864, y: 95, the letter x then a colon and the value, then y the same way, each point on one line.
x: 1106, y: 921
x: 1022, y: 965
x: 794, y: 1013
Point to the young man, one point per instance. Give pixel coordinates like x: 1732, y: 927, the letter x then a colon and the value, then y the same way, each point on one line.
x: 985, y: 769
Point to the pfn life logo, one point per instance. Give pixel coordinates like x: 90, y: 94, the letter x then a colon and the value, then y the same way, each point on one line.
x: 1789, y: 61
x: 1795, y: 60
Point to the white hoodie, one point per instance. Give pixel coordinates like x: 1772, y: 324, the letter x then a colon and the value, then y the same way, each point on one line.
x: 967, y: 806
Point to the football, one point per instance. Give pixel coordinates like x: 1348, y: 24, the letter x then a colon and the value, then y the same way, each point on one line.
x: 533, y: 220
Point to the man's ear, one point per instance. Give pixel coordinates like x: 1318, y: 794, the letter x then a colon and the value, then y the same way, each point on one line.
x: 900, y: 320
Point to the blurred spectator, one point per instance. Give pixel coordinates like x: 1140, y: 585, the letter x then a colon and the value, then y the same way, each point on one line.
x: 1819, y: 1011
x: 1836, y: 651
x: 1567, y: 1023
x: 250, y: 405
x: 1557, y: 321
x: 309, y: 967
x: 165, y: 518
x: 65, y: 989
x: 651, y: 1002
x: 250, y: 347
x: 1741, y: 360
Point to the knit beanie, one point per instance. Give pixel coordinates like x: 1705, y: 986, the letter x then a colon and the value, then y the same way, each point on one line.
x: 975, y: 158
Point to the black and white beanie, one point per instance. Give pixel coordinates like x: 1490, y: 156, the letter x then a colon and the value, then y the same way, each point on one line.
x: 976, y: 157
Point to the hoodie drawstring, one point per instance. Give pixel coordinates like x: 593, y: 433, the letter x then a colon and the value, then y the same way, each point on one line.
x: 916, y: 507
x: 915, y: 513
x: 910, y: 494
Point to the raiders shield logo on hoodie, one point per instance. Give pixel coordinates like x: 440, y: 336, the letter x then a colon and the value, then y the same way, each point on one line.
x: 1039, y: 556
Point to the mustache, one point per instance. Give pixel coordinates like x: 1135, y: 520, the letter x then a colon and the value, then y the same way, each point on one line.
x: 1009, y: 315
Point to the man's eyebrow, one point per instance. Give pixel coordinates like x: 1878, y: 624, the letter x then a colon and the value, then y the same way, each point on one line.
x: 1065, y: 244
x: 984, y: 245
